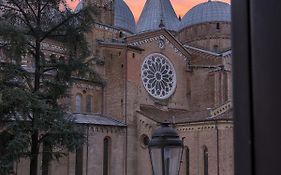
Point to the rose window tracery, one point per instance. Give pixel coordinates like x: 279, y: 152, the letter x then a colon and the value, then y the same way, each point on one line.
x: 158, y: 76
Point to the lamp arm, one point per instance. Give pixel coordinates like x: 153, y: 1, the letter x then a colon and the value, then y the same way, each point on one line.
x: 181, y: 156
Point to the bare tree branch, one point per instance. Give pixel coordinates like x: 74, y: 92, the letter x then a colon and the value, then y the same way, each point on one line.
x: 25, y: 16
x: 59, y: 25
x: 9, y: 7
x: 44, y: 6
x: 26, y: 1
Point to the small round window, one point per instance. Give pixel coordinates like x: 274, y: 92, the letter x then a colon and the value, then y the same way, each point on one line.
x: 144, y: 139
x: 158, y: 76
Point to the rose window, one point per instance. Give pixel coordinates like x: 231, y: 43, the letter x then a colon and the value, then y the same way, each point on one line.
x: 158, y: 76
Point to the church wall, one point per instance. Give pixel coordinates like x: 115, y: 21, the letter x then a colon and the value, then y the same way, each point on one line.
x: 63, y: 166
x: 215, y: 136
x: 115, y: 83
x: 95, y: 150
x: 226, y: 149
x: 132, y: 100
x: 217, y: 45
x: 84, y: 90
x: 202, y: 89
x: 211, y: 81
x: 145, y: 129
x: 22, y: 167
x: 93, y: 153
x: 214, y: 36
x: 201, y: 60
x: 137, y: 95
x: 179, y: 98
x: 221, y: 88
x: 99, y: 33
x: 104, y: 11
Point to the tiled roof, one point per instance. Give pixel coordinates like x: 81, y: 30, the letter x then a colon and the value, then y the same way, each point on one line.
x: 182, y: 116
x: 123, y: 16
x: 96, y: 119
x: 156, y: 12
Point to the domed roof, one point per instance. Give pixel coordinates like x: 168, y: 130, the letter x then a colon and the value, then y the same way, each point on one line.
x: 211, y: 11
x: 123, y: 16
x: 157, y: 14
x: 79, y: 6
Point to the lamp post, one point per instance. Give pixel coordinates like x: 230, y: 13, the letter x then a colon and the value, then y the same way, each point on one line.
x: 165, y: 150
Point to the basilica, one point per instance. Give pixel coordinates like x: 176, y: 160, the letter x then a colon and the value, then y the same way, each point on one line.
x: 163, y: 67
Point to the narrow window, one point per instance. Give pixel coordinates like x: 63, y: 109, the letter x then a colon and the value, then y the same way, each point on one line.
x: 216, y: 48
x: 106, y: 154
x: 218, y: 26
x: 89, y: 103
x: 79, y: 161
x: 187, y: 160
x: 120, y: 34
x: 78, y: 103
x: 205, y: 154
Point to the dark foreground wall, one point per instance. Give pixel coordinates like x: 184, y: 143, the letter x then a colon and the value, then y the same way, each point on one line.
x: 257, y: 86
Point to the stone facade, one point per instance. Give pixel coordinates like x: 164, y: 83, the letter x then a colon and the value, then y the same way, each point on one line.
x: 200, y: 107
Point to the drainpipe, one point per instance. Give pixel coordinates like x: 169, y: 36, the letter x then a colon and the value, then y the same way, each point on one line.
x: 218, y: 148
x: 87, y: 157
x: 125, y: 108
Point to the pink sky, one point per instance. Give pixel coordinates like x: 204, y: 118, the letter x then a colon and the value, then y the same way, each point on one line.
x: 180, y: 6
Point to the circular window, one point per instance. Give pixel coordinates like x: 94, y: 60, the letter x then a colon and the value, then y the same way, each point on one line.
x: 158, y: 76
x: 144, y: 139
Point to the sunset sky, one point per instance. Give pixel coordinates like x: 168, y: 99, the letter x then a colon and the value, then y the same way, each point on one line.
x: 180, y: 6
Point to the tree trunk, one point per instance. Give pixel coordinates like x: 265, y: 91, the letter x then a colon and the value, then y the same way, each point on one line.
x: 35, y: 145
x: 34, y: 154
x: 46, y: 158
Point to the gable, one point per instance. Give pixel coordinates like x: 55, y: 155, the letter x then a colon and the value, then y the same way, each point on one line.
x: 159, y: 36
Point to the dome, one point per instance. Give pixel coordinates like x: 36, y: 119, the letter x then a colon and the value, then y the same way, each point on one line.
x: 211, y: 11
x: 123, y: 16
x: 156, y: 13
x: 79, y: 6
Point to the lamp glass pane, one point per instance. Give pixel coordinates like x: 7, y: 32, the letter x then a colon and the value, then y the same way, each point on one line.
x: 156, y: 160
x: 172, y: 156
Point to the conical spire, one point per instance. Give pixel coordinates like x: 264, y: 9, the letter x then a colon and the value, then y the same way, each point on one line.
x: 156, y: 14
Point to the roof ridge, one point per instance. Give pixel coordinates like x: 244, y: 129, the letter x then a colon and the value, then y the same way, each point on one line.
x: 222, y: 54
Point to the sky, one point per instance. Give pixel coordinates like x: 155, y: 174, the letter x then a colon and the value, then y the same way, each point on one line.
x: 180, y: 6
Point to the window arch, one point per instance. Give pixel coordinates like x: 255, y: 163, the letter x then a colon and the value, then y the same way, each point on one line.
x: 187, y: 158
x: 106, y: 155
x: 78, y: 99
x: 205, y: 160
x: 89, y: 103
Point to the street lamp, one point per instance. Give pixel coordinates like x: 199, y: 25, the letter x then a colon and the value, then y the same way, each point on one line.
x: 165, y: 150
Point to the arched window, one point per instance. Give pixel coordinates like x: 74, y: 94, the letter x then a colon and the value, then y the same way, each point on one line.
x: 205, y: 159
x: 78, y: 103
x: 106, y: 155
x: 187, y: 160
x: 89, y: 103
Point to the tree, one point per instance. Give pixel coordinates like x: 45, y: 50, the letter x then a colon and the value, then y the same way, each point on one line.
x: 31, y: 113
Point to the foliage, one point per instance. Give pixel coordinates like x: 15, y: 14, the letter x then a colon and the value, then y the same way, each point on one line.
x: 31, y: 108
